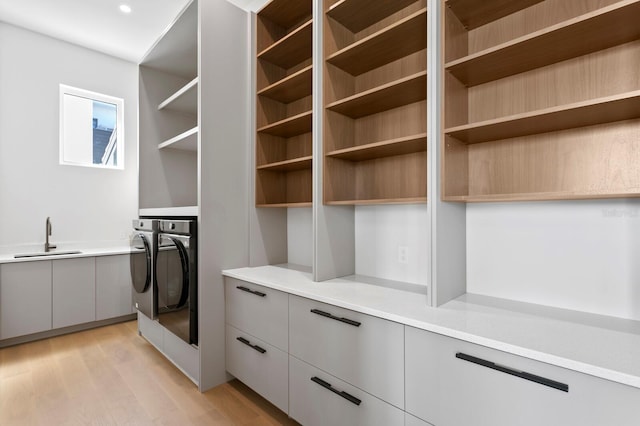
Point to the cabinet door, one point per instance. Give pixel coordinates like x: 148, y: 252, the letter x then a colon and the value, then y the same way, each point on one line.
x: 257, y: 310
x: 74, y: 291
x: 451, y: 382
x: 25, y: 298
x: 319, y: 399
x: 262, y: 367
x: 113, y: 287
x: 365, y: 351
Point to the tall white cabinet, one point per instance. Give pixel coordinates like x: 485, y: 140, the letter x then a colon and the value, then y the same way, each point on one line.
x: 194, y: 150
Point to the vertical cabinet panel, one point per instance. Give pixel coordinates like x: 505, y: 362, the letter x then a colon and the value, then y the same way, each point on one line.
x: 25, y: 298
x: 74, y: 291
x: 113, y: 287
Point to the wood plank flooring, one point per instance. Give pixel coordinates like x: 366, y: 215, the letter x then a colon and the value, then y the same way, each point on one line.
x: 112, y: 376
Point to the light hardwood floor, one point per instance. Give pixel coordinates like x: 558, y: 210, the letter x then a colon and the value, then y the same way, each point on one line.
x: 112, y: 376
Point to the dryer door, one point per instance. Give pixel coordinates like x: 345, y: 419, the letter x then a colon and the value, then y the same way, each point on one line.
x: 141, y: 270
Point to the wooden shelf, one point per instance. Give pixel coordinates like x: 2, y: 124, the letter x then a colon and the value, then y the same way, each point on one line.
x: 596, y: 111
x: 286, y: 13
x: 184, y: 100
x: 356, y: 15
x: 292, y: 126
x: 389, y: 148
x: 291, y: 88
x: 601, y: 29
x: 544, y: 196
x: 404, y: 37
x: 292, y: 49
x: 476, y: 13
x: 187, y: 141
x: 412, y: 200
x: 288, y: 205
x: 403, y: 91
x: 288, y: 165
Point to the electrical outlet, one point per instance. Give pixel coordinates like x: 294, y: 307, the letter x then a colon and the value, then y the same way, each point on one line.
x: 403, y: 254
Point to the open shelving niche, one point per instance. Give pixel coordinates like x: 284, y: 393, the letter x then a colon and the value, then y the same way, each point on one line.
x: 543, y: 111
x: 284, y: 104
x: 169, y: 85
x: 375, y: 91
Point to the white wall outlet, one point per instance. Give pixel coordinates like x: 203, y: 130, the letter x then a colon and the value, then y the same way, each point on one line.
x: 403, y: 254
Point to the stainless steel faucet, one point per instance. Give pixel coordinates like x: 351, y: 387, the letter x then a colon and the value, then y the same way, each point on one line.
x: 47, y: 233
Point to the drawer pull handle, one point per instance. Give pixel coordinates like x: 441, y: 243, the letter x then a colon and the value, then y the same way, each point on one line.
x: 328, y: 315
x: 248, y: 290
x: 522, y: 374
x: 248, y: 343
x: 352, y: 399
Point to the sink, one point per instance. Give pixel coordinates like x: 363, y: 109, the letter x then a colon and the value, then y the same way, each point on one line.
x: 51, y: 253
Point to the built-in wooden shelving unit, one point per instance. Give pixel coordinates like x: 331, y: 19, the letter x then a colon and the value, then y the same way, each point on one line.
x: 284, y: 104
x: 544, y: 111
x: 375, y: 91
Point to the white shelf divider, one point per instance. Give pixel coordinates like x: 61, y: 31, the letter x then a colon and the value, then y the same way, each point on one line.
x: 187, y: 141
x: 184, y: 100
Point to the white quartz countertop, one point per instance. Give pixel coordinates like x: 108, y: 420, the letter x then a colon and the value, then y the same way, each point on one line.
x: 604, y: 347
x: 86, y: 250
x: 170, y: 211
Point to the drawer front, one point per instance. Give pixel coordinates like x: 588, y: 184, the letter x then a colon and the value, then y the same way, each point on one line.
x: 330, y: 401
x: 262, y: 367
x: 451, y: 383
x: 259, y: 311
x: 362, y: 350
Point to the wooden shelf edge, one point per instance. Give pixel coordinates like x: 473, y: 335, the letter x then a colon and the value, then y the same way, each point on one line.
x: 285, y: 39
x: 549, y: 119
x: 288, y: 165
x: 285, y: 205
x: 411, y: 200
x: 283, y: 82
x: 272, y: 126
x: 375, y: 35
x: 174, y: 142
x: 493, y: 54
x: 350, y: 15
x: 184, y: 89
x: 344, y: 103
x: 543, y: 196
x: 346, y: 152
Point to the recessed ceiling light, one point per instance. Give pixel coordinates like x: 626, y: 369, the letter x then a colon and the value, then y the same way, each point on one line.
x: 125, y: 8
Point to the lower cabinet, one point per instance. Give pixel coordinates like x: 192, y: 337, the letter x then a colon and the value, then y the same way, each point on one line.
x: 319, y: 399
x: 74, y: 291
x: 183, y: 355
x: 451, y: 383
x: 25, y: 298
x: 259, y: 365
x: 113, y: 287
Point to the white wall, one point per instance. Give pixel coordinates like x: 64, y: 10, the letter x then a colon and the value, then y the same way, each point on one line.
x: 580, y: 255
x: 381, y: 231
x: 85, y: 204
x: 300, y: 236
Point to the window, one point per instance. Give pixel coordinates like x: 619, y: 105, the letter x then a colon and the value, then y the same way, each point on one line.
x: 91, y: 129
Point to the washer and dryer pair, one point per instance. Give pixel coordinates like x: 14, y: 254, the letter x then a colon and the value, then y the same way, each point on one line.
x: 164, y: 274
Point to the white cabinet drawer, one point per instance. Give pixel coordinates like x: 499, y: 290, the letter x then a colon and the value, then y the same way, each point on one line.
x: 259, y: 311
x: 452, y: 383
x: 362, y: 350
x: 330, y: 401
x: 259, y: 365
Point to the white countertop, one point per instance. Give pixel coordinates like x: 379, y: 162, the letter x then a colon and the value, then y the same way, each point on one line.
x: 604, y: 347
x: 170, y: 211
x: 106, y: 248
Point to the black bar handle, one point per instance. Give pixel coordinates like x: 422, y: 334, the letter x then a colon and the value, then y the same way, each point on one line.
x: 328, y: 315
x: 248, y: 290
x: 248, y: 343
x: 522, y: 374
x: 352, y: 399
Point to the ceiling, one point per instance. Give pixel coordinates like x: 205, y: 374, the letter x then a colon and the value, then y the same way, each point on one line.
x: 99, y: 24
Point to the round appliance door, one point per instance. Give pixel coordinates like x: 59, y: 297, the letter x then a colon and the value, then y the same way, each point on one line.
x: 140, y: 263
x: 172, y: 274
